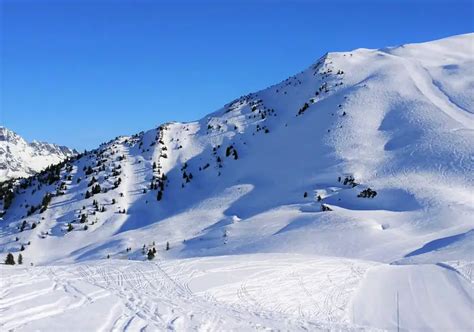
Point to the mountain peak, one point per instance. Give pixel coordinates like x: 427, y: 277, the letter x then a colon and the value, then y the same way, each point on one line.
x: 18, y: 158
x: 7, y: 135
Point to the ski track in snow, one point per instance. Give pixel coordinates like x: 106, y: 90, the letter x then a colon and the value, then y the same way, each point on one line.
x: 427, y: 86
x: 281, y: 293
x: 241, y: 293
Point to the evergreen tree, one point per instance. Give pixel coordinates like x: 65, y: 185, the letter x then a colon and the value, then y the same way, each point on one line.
x: 46, y: 200
x: 10, y: 260
x: 325, y: 208
x: 20, y: 259
x: 89, y: 170
x: 228, y: 150
x: 150, y: 254
x: 8, y: 199
x: 96, y: 189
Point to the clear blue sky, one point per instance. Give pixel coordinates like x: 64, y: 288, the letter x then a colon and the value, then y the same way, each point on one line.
x: 82, y: 72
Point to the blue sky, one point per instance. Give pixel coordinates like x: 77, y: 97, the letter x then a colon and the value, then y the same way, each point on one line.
x: 80, y: 72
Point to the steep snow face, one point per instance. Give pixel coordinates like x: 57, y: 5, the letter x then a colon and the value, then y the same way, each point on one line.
x: 365, y: 154
x: 19, y: 158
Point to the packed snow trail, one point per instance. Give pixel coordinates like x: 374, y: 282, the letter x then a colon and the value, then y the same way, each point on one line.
x: 238, y: 293
x: 430, y: 297
x: 251, y: 292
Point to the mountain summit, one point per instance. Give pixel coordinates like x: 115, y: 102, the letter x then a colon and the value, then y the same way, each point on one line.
x: 19, y: 158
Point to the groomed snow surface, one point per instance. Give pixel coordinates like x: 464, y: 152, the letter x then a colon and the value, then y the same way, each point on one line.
x: 242, y: 292
x: 262, y: 211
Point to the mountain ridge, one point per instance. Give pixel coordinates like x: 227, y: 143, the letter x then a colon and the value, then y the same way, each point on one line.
x: 18, y: 158
x: 252, y: 132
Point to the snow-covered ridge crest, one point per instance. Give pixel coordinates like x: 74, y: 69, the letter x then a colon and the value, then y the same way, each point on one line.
x: 18, y: 158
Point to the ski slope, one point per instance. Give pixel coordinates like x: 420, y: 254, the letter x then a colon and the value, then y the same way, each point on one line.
x: 261, y: 214
x: 244, y: 292
x: 204, y: 294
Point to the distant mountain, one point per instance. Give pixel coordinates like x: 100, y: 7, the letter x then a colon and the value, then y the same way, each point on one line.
x: 19, y: 158
x: 365, y: 157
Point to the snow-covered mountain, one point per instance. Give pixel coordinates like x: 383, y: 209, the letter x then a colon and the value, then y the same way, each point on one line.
x: 19, y: 158
x: 363, y: 162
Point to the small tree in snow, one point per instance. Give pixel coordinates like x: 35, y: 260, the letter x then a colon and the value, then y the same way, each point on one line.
x: 10, y: 260
x: 150, y: 254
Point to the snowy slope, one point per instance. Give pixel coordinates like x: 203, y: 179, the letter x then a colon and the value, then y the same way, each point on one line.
x: 282, y: 171
x: 215, y: 294
x: 19, y: 158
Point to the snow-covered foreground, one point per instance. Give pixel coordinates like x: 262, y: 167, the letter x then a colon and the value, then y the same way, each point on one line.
x: 245, y: 292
